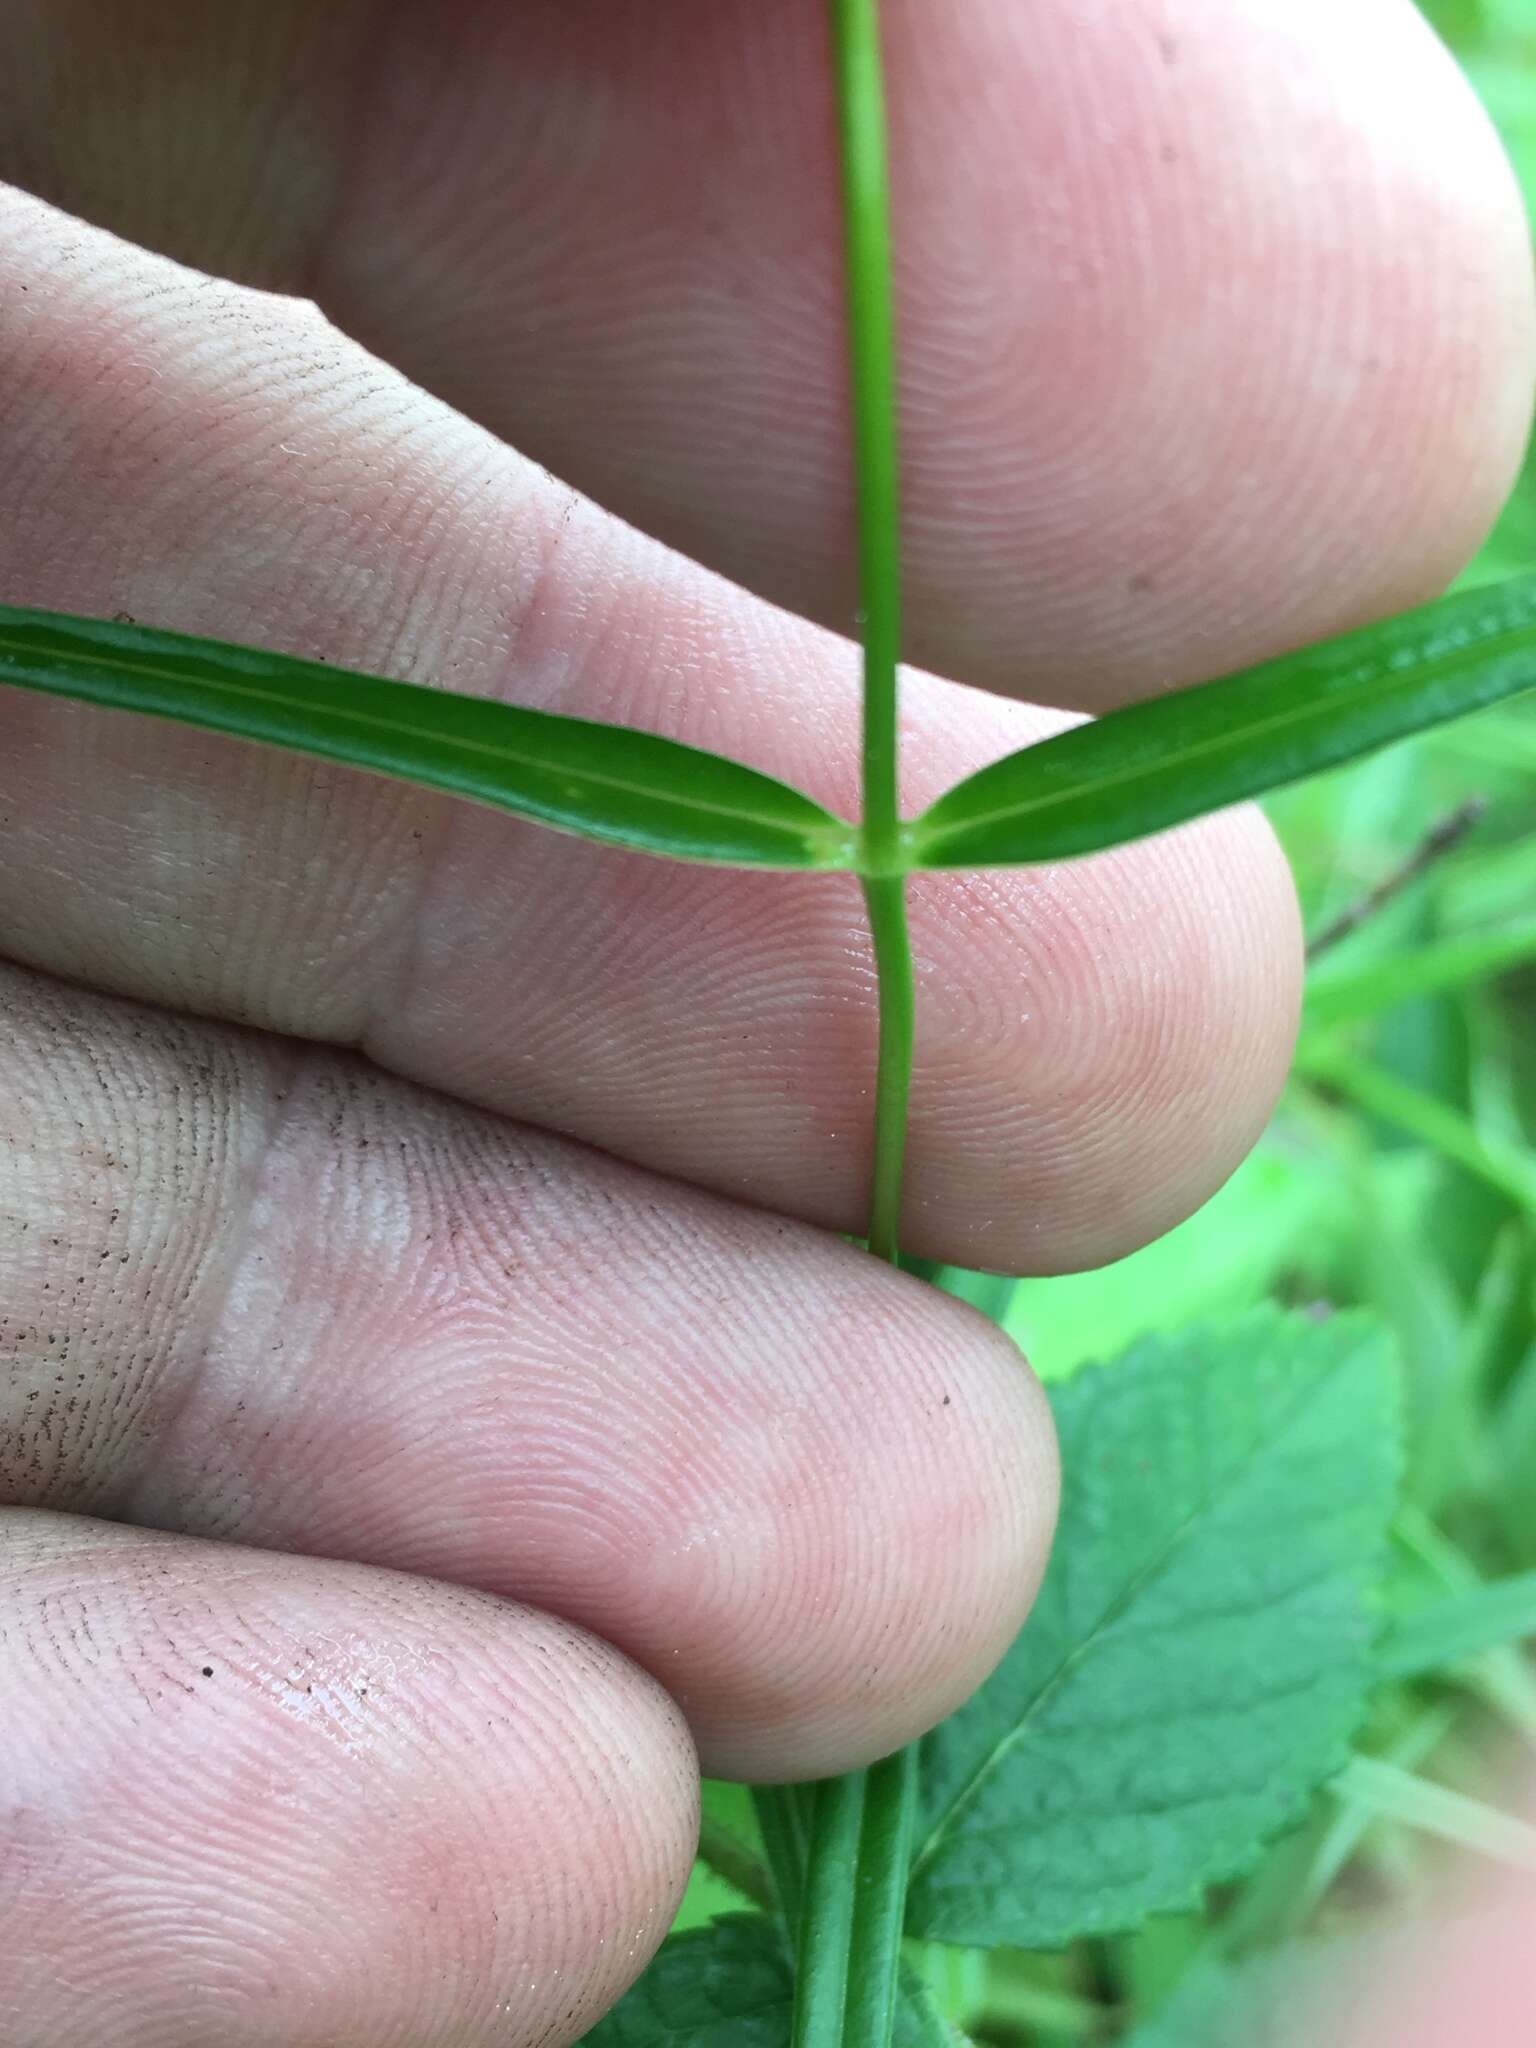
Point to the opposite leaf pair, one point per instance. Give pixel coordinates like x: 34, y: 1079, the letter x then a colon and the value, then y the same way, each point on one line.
x: 1135, y: 771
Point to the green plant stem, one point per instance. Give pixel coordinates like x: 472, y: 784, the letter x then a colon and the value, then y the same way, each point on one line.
x: 855, y: 1886
x: 872, y: 373
x: 880, y: 1898
x: 876, y: 465
x: 893, y: 1072
x: 827, y: 1912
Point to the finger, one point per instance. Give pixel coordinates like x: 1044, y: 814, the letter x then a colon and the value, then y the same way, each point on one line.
x: 1205, y: 353
x: 268, y: 1295
x: 1099, y: 1043
x: 284, y: 1803
x: 1468, y: 1980
x: 1459, y: 1971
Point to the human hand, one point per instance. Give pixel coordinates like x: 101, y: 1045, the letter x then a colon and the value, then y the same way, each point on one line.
x: 1455, y: 1970
x: 1464, y: 1978
x: 409, y: 1213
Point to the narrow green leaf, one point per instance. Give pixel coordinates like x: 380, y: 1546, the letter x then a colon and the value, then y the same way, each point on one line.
x: 1393, y: 1794
x: 1466, y: 1624
x: 730, y: 1985
x: 1157, y: 764
x: 1501, y: 1674
x: 1507, y: 1168
x: 1200, y: 1652
x: 606, y: 782
x: 1338, y: 997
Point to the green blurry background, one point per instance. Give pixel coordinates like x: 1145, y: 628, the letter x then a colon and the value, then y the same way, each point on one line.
x: 1398, y: 1175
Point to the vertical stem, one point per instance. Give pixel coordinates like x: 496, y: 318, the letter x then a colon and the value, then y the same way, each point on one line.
x: 880, y: 1901
x: 848, y: 1949
x: 827, y: 1913
x: 872, y: 397
x: 859, y: 74
x: 884, y: 896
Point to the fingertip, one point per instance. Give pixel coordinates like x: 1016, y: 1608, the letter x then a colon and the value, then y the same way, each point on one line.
x: 1450, y: 307
x: 1103, y: 1043
x: 1274, y: 384
x: 281, y: 1800
x: 879, y: 1516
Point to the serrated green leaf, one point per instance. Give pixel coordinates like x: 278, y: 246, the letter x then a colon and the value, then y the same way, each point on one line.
x: 730, y: 1985
x: 605, y: 782
x: 1201, y: 1649
x: 1161, y: 763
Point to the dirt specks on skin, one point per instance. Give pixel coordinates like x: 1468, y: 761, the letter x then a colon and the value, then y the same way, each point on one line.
x: 126, y: 1138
